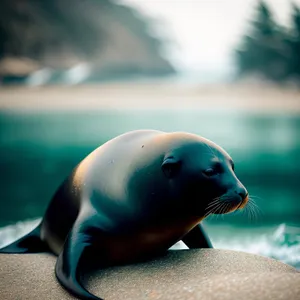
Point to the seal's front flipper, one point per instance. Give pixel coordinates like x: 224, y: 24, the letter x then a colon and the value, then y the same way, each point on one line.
x: 30, y: 243
x: 67, y: 267
x: 197, y: 238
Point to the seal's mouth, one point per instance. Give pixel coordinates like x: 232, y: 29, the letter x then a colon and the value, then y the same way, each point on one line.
x: 243, y: 203
x: 225, y: 205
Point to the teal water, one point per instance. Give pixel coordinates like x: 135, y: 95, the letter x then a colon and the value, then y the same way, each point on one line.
x: 37, y: 151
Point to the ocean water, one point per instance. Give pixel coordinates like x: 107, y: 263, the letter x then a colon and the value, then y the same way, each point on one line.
x: 278, y: 242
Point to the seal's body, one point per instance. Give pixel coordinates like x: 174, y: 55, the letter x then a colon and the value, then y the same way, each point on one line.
x: 133, y: 197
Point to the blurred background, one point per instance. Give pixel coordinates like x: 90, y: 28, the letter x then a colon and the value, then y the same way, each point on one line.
x: 74, y: 76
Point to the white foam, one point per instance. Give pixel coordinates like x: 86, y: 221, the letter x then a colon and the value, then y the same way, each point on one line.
x: 11, y: 233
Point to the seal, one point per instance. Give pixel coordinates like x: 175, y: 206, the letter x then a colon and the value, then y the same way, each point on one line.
x: 134, y: 197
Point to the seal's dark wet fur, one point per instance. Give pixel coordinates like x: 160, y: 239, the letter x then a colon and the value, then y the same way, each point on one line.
x: 132, y: 198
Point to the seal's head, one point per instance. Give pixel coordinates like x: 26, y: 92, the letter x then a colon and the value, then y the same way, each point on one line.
x: 201, y: 176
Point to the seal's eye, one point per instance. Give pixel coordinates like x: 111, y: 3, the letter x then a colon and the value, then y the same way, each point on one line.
x: 210, y: 172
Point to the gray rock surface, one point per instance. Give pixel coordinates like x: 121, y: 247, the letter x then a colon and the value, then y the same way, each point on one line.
x: 184, y: 274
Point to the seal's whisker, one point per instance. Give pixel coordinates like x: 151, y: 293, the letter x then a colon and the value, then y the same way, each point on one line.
x: 255, y: 206
x: 249, y: 212
x: 214, y: 208
x: 257, y: 210
x: 253, y: 196
x: 253, y: 211
x: 224, y: 209
x: 243, y: 211
x: 217, y: 208
x: 221, y: 210
x: 253, y: 203
x: 211, y: 208
x: 208, y: 213
x: 213, y: 203
x: 215, y: 200
x: 255, y: 214
x: 228, y: 206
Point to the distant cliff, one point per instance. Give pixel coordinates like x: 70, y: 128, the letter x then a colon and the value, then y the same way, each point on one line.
x: 60, y: 34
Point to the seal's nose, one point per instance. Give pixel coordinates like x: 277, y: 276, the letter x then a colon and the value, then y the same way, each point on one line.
x: 242, y: 193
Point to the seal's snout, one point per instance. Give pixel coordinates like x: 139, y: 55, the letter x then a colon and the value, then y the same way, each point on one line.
x: 242, y: 193
x: 234, y: 200
x: 244, y: 201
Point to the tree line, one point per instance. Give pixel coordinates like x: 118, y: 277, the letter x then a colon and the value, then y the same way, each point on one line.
x: 270, y: 49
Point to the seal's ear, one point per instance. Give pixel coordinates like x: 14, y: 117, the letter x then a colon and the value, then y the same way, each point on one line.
x: 171, y: 166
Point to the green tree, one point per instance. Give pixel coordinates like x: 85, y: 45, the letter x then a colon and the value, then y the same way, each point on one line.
x: 264, y: 49
x: 295, y: 42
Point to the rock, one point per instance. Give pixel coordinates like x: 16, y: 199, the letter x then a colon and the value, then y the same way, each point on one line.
x: 183, y: 274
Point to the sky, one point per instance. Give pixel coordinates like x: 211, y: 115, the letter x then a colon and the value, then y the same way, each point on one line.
x: 204, y: 32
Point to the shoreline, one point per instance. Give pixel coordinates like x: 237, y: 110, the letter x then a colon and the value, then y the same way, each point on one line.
x: 151, y: 96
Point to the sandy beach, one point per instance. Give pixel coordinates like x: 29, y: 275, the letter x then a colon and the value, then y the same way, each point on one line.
x: 128, y: 96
